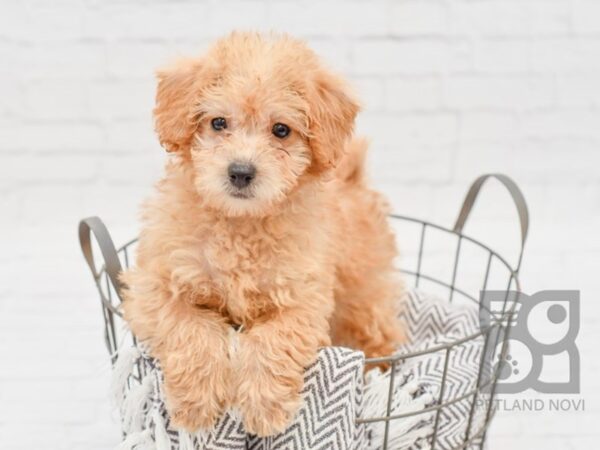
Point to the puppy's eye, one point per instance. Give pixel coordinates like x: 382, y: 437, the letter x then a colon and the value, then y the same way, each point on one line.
x: 281, y: 130
x: 218, y: 123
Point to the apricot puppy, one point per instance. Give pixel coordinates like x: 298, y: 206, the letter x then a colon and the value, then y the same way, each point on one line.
x: 262, y: 220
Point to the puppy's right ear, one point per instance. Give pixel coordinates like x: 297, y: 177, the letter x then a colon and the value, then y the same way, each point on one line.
x: 176, y: 97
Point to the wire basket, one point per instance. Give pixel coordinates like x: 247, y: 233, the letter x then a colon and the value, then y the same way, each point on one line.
x: 435, y: 263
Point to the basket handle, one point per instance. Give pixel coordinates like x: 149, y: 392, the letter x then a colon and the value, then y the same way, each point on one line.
x: 112, y: 264
x: 514, y: 192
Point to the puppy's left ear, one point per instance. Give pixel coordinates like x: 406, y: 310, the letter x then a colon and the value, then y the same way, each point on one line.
x: 332, y: 110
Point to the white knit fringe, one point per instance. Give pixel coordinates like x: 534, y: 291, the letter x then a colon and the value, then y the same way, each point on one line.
x: 132, y: 407
x: 141, y: 440
x: 161, y: 436
x: 126, y: 359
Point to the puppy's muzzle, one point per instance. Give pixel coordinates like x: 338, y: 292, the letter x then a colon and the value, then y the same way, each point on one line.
x: 241, y: 174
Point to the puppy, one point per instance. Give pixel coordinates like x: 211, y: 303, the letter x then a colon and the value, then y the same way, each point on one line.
x: 262, y: 221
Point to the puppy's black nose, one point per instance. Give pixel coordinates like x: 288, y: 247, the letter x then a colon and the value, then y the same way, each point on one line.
x: 241, y: 174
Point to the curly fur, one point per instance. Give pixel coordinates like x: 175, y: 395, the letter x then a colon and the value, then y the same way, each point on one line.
x: 304, y: 261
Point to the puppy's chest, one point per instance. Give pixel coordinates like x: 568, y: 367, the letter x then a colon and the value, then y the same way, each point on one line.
x: 240, y: 273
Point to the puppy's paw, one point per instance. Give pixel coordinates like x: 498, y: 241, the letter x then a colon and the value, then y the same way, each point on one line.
x: 268, y: 409
x: 197, y: 404
x: 268, y: 391
x: 194, y: 416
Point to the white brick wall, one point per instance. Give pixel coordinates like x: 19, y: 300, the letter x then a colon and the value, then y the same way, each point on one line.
x: 452, y: 89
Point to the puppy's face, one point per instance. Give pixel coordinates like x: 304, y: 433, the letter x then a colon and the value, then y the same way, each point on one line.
x: 251, y: 148
x: 256, y: 117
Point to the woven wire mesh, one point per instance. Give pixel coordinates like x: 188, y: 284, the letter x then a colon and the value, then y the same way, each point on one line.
x: 435, y: 263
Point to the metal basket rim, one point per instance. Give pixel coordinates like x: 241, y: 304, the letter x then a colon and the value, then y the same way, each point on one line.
x: 400, y: 356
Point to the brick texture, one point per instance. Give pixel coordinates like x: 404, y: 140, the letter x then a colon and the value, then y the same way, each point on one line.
x: 451, y: 89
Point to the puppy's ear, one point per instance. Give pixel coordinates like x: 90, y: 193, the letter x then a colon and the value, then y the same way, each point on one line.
x: 332, y: 110
x: 176, y: 96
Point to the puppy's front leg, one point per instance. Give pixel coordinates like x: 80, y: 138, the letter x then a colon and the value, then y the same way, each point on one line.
x: 191, y: 344
x: 196, y: 367
x: 270, y: 367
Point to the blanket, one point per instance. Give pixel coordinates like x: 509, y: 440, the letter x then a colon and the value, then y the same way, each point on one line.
x: 336, y: 394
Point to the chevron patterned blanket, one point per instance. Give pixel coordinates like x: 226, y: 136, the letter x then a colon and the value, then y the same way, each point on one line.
x: 336, y: 394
